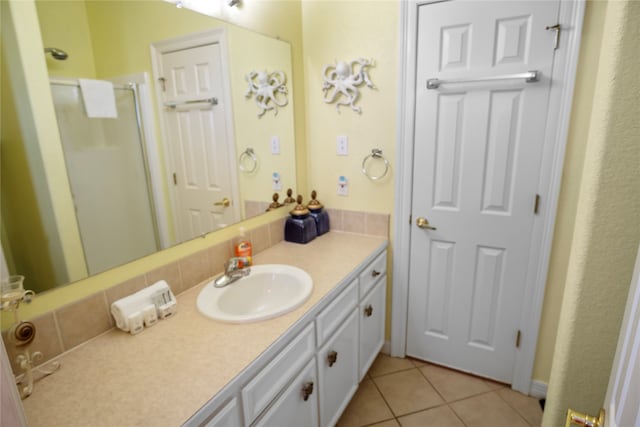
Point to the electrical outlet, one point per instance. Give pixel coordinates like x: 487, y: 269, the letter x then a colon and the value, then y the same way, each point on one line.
x: 275, y: 145
x: 277, y: 182
x: 343, y: 186
x: 342, y: 145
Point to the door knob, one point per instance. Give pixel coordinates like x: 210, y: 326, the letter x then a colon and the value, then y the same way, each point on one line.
x: 580, y: 419
x: 224, y: 202
x: 424, y: 224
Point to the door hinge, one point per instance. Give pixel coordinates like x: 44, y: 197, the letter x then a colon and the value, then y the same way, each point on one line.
x: 518, y: 336
x: 410, y: 219
x: 555, y: 28
x: 175, y: 179
x: 536, y: 206
x: 162, y: 81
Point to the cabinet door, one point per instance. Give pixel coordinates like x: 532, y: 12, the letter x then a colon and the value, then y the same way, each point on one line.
x: 298, y: 405
x: 229, y: 416
x: 372, y: 314
x: 338, y: 370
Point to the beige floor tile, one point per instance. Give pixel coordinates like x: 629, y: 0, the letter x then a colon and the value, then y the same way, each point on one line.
x: 418, y: 363
x: 442, y: 416
x: 366, y: 407
x: 390, y: 423
x: 487, y: 410
x: 386, y: 365
x: 494, y: 385
x: 453, y: 385
x: 528, y: 407
x: 408, y: 391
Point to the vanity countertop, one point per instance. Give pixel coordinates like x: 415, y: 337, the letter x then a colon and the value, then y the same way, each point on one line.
x: 163, y: 375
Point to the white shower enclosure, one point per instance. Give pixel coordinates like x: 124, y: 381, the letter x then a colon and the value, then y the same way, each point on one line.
x: 108, y: 176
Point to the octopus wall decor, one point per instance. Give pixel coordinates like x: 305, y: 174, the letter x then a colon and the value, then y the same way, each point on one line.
x: 269, y: 90
x: 342, y: 80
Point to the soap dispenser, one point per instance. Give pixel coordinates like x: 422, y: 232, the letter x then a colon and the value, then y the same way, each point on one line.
x: 318, y: 214
x: 300, y: 226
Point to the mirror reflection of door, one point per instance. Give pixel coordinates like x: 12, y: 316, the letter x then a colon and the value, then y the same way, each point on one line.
x: 198, y: 142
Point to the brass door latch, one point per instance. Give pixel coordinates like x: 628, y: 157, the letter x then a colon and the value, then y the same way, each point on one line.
x: 577, y: 418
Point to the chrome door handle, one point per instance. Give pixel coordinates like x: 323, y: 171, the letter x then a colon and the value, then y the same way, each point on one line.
x: 224, y: 202
x: 424, y: 224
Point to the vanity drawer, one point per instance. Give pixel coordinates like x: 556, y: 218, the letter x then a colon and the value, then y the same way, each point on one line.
x: 371, y: 274
x: 331, y: 317
x: 276, y: 375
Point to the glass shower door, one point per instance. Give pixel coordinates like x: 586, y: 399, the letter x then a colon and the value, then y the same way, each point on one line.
x: 107, y: 175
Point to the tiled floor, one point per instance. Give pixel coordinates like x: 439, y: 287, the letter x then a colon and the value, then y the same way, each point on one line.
x: 410, y: 393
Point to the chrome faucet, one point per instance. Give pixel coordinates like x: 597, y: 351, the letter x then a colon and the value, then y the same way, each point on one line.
x: 234, y: 269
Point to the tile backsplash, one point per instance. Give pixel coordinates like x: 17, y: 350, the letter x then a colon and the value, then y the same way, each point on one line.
x: 71, y: 325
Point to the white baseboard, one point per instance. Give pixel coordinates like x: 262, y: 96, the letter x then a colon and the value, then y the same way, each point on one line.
x: 538, y: 389
x: 386, y: 348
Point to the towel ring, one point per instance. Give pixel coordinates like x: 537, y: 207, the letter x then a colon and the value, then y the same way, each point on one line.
x: 375, y: 154
x: 248, y: 153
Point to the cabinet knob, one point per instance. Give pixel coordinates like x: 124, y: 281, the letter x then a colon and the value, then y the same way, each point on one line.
x: 332, y: 357
x: 368, y: 310
x: 307, y: 390
x: 375, y: 273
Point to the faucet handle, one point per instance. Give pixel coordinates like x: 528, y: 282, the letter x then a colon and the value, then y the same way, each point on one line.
x: 237, y: 263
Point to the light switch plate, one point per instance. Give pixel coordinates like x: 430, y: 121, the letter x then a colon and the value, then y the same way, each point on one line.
x: 275, y: 145
x: 342, y: 145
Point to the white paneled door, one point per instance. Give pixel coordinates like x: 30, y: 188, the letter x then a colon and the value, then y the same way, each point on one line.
x: 477, y: 155
x: 198, y: 140
x: 622, y: 402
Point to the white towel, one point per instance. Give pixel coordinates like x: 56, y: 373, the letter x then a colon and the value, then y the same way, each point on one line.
x: 99, y: 98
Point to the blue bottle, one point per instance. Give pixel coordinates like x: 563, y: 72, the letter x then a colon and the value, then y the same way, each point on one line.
x: 300, y: 226
x: 318, y: 214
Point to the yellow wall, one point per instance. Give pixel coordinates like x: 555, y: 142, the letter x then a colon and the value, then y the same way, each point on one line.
x: 64, y: 25
x: 34, y: 138
x: 361, y: 30
x: 570, y: 187
x: 262, y: 54
x: 606, y: 236
x: 368, y: 30
x: 17, y: 189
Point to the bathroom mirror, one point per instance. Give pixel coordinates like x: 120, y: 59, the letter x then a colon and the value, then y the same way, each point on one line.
x: 110, y: 40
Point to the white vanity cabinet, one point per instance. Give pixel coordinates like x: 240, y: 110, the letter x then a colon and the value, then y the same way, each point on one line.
x: 372, y: 314
x: 298, y: 405
x: 372, y: 309
x: 338, y: 371
x: 228, y: 416
x: 310, y: 381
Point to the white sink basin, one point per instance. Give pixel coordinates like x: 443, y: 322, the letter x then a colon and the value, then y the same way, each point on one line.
x: 269, y: 291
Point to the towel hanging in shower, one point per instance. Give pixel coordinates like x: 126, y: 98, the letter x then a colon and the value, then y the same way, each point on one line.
x: 99, y: 98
